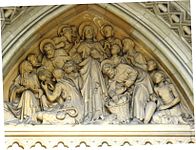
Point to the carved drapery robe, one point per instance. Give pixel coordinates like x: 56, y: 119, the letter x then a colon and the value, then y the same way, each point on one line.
x: 141, y: 94
x: 28, y: 103
x: 94, y: 89
x: 124, y: 78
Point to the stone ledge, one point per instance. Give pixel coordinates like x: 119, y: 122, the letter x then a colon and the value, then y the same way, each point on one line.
x: 93, y: 136
x: 100, y: 130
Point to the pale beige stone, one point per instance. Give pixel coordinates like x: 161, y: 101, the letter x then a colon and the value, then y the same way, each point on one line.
x: 78, y: 52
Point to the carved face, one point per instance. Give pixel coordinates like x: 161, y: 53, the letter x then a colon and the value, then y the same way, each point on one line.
x: 33, y: 60
x: 69, y: 68
x: 29, y: 67
x: 58, y: 74
x: 128, y: 46
x: 158, y: 77
x: 67, y: 32
x: 44, y: 75
x: 151, y: 65
x: 115, y: 49
x: 49, y: 50
x: 88, y: 32
x: 25, y: 67
x: 108, y: 31
x: 109, y: 70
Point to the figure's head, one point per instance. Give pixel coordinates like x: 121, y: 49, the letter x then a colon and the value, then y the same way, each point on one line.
x: 115, y: 49
x: 25, y: 67
x: 66, y: 31
x: 128, y: 45
x: 107, y: 31
x: 69, y: 67
x: 33, y: 59
x: 44, y: 74
x: 58, y: 74
x: 88, y: 32
x: 108, y: 70
x: 158, y: 77
x: 151, y: 65
x: 47, y: 47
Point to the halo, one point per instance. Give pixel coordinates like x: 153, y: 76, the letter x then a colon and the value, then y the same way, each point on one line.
x: 60, y: 29
x: 82, y: 25
x: 45, y: 41
x: 103, y: 26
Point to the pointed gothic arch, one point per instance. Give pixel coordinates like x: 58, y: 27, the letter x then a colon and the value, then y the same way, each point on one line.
x: 153, y: 38
x: 159, y: 42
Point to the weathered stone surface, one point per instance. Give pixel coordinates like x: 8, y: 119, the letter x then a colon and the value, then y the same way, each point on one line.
x: 90, y: 64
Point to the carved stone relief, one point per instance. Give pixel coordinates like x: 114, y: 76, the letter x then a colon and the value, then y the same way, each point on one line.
x: 80, y: 79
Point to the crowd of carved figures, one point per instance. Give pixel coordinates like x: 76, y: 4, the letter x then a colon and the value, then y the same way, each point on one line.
x: 80, y: 80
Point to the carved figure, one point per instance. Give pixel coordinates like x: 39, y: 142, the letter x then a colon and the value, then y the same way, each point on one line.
x: 66, y: 34
x: 66, y: 91
x: 27, y: 87
x: 121, y: 79
x: 108, y: 33
x: 33, y: 59
x: 132, y: 56
x: 169, y: 111
x: 78, y: 79
x: 115, y: 58
x: 71, y: 72
x: 94, y: 89
x: 45, y: 76
x: 52, y: 58
x: 141, y: 95
x: 152, y: 67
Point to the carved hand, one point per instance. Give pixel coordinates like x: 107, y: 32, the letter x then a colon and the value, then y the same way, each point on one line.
x: 106, y: 45
x: 44, y: 86
x: 153, y: 97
